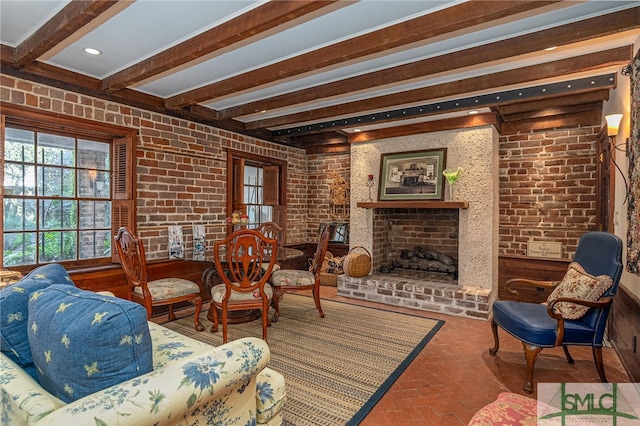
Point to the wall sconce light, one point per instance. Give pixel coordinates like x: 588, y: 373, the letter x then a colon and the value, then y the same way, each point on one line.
x: 613, y: 124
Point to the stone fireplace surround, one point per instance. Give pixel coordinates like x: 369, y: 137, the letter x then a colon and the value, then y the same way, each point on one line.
x: 476, y: 150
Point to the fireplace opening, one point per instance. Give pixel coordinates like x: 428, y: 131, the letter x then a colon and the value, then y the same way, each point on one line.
x: 416, y: 243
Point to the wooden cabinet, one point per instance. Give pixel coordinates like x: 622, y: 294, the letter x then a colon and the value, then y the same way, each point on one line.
x: 532, y: 268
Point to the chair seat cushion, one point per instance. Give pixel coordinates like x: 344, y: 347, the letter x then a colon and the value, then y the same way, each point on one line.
x: 531, y: 323
x: 168, y: 288
x: 83, y: 342
x: 292, y: 277
x: 578, y: 284
x: 14, y: 312
x: 218, y: 292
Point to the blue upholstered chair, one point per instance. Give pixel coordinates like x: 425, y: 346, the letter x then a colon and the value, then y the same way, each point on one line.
x: 598, y: 257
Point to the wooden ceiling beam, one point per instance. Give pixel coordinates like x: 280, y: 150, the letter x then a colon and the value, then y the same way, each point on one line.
x: 416, y: 30
x: 71, y: 19
x: 526, y: 75
x: 600, y: 26
x: 241, y: 28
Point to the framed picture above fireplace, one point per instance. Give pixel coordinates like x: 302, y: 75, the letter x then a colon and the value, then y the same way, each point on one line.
x: 412, y: 175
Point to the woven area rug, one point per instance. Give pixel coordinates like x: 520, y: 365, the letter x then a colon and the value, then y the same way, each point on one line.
x: 337, y: 367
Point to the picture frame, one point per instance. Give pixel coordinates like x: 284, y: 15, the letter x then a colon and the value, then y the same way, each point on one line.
x: 412, y: 175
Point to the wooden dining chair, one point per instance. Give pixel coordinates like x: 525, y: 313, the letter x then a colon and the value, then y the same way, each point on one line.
x: 160, y: 292
x: 289, y: 280
x: 275, y: 231
x: 244, y: 261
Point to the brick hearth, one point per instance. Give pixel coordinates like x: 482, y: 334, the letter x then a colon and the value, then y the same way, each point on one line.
x: 445, y: 298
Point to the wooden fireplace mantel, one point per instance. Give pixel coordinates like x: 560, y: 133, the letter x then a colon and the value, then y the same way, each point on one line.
x: 413, y: 204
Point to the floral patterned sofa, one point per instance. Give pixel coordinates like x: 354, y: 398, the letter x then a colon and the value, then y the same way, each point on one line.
x: 192, y: 383
x: 184, y: 381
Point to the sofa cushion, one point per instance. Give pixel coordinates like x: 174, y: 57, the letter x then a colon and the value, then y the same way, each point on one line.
x: 578, y: 284
x: 83, y: 342
x: 271, y: 395
x: 14, y: 301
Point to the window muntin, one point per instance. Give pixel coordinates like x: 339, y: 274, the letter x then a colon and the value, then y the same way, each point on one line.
x: 57, y: 198
x: 253, y: 197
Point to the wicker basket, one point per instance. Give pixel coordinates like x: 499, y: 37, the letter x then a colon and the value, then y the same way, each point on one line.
x: 357, y: 265
x: 328, y: 279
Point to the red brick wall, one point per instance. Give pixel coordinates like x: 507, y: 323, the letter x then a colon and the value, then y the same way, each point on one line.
x: 181, y: 165
x: 547, y: 188
x: 322, y: 169
x: 397, y: 229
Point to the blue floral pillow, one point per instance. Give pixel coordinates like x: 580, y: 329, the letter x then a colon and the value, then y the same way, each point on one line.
x: 83, y: 342
x: 14, y: 312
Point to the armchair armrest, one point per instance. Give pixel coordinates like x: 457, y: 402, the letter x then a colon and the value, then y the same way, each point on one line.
x: 204, y: 388
x: 529, y: 283
x: 601, y: 303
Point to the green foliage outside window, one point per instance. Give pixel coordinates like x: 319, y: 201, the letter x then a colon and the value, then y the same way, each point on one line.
x: 56, y: 200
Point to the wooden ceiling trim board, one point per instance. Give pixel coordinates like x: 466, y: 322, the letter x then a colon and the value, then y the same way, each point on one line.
x: 525, y: 75
x: 552, y: 111
x: 559, y: 101
x: 547, y: 92
x: 571, y: 33
x: 243, y: 27
x: 71, y: 19
x: 427, y: 127
x: 579, y: 119
x: 416, y: 30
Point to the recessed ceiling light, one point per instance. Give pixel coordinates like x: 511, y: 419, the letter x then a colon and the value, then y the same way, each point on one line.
x: 551, y: 48
x: 357, y: 130
x: 92, y: 51
x: 473, y: 111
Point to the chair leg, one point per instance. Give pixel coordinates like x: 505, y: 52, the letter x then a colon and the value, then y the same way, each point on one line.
x: 496, y: 344
x: 196, y: 319
x: 316, y: 298
x: 597, y: 358
x: 225, y: 325
x: 277, y: 297
x: 265, y: 321
x: 212, y: 316
x: 172, y: 315
x: 567, y: 354
x: 530, y: 354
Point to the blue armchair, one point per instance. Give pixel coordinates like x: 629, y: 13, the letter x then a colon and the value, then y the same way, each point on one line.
x: 598, y: 260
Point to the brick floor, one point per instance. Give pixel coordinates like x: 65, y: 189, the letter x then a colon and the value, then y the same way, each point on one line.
x: 454, y: 375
